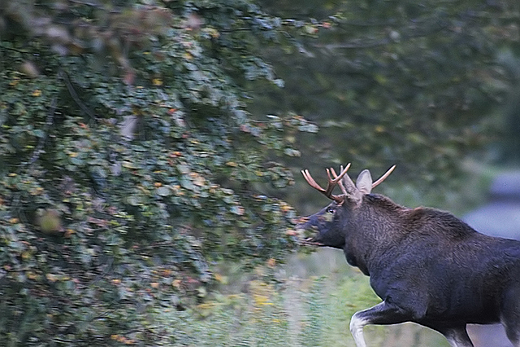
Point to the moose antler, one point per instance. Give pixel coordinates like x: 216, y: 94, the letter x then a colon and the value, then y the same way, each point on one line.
x: 330, y: 185
x: 347, y: 191
x: 382, y: 178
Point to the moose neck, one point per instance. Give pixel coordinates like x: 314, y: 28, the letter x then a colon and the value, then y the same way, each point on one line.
x: 372, y: 228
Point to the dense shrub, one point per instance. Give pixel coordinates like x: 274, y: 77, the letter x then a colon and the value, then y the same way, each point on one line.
x: 129, y: 163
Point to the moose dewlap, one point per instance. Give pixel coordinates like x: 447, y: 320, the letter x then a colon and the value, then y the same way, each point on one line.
x: 426, y: 265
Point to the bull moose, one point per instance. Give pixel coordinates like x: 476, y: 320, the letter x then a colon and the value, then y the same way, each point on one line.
x: 426, y: 265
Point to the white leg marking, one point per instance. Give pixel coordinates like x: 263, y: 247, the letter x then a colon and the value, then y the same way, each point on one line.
x: 356, y: 329
x: 458, y: 339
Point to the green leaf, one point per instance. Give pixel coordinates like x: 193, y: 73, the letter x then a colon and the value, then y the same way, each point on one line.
x: 39, y: 133
x: 163, y: 191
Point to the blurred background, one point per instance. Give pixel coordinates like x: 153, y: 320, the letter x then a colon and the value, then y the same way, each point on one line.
x: 150, y: 155
x: 409, y: 83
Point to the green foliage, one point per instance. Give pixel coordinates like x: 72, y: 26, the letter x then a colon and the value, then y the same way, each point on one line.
x: 415, y: 83
x: 130, y: 163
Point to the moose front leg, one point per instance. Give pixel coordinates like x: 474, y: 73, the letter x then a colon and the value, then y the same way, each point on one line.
x: 383, y: 313
x: 386, y: 313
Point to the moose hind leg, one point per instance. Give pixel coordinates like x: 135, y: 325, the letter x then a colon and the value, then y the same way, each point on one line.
x: 513, y: 333
x: 383, y: 313
x: 510, y: 316
x: 512, y: 327
x: 457, y: 336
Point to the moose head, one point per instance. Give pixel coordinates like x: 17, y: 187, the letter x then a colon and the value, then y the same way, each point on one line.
x: 331, y: 222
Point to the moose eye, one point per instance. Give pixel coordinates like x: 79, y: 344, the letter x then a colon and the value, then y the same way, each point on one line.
x: 331, y: 210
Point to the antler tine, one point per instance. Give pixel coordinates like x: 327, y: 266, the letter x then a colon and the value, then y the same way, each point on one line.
x: 330, y: 185
x: 343, y: 172
x: 306, y: 174
x: 382, y: 178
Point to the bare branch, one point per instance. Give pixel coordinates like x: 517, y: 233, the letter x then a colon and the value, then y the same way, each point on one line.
x: 74, y: 96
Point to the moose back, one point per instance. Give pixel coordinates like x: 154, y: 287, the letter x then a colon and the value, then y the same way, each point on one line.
x: 426, y: 265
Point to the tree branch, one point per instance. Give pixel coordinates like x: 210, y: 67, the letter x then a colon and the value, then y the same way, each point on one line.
x: 48, y: 123
x: 74, y: 96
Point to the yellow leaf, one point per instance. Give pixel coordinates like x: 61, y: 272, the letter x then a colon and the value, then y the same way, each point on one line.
x: 176, y: 283
x: 37, y: 191
x: 221, y: 279
x: 128, y: 165
x: 198, y: 180
x: 51, y: 277
x: 379, y: 129
x: 271, y: 262
x: 285, y: 207
x: 31, y: 275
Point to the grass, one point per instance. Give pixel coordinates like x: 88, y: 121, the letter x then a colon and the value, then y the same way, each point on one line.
x: 307, y: 312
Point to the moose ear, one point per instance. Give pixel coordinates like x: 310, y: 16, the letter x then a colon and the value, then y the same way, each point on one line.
x: 364, y: 182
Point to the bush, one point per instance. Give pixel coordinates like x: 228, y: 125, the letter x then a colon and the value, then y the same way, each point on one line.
x: 130, y: 163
